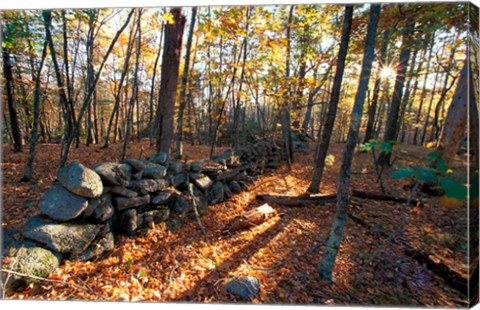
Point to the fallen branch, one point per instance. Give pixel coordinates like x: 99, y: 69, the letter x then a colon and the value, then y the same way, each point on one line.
x: 86, y: 288
x: 197, y: 215
x: 251, y: 218
x: 296, y: 201
x: 384, y: 197
x: 307, y: 200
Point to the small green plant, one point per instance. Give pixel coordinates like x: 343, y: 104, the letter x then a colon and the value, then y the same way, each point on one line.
x: 386, y: 147
x: 438, y: 174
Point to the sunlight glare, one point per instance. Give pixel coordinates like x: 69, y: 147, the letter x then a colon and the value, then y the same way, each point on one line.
x: 387, y: 72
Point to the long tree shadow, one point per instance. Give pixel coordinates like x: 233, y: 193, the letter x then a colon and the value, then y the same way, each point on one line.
x: 210, y: 282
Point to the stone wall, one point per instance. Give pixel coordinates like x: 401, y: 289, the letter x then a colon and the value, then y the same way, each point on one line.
x: 87, y: 207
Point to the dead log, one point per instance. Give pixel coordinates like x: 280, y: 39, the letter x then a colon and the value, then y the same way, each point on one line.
x: 308, y: 200
x: 297, y: 201
x: 249, y: 219
x: 383, y: 197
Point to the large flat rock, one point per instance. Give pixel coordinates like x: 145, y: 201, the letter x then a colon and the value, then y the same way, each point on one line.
x: 60, y: 237
x: 80, y: 180
x: 62, y: 205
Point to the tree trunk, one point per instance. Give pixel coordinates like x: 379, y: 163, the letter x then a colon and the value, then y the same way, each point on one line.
x: 183, y: 89
x: 168, y: 85
x: 152, y: 89
x: 237, y: 108
x: 457, y: 116
x: 68, y: 143
x: 118, y: 96
x: 285, y: 111
x: 427, y: 116
x: 16, y: 133
x: 47, y: 17
x: 424, y: 90
x: 406, y: 97
x: 133, y: 95
x: 323, y: 143
x: 392, y: 120
x: 325, y: 268
x: 27, y: 174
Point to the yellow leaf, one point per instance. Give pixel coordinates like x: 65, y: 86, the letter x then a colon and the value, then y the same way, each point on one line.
x: 450, y: 202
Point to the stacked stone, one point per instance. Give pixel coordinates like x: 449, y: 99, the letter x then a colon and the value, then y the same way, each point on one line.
x: 86, y: 208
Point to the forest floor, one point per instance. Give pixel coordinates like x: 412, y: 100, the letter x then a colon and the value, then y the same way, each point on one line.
x: 283, y: 252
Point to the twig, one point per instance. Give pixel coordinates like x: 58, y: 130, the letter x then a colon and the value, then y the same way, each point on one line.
x: 197, y: 216
x: 379, y: 173
x: 86, y: 288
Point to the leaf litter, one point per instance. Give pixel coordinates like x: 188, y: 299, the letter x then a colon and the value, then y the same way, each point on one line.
x: 283, y: 252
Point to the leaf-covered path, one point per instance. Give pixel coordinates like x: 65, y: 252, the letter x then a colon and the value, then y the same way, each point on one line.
x: 283, y: 252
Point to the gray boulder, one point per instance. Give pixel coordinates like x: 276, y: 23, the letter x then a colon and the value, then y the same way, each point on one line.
x: 178, y: 180
x: 159, y: 158
x: 216, y: 193
x: 92, y: 205
x: 62, y: 205
x: 176, y: 168
x: 226, y: 191
x: 196, y: 166
x: 155, y: 172
x: 104, y: 210
x: 60, y: 237
x: 30, y: 259
x: 80, y: 180
x: 100, y: 246
x: 149, y: 218
x: 165, y: 196
x: 227, y: 175
x: 121, y: 191
x: 137, y: 165
x: 181, y: 205
x: 129, y: 221
x: 243, y: 287
x: 202, y: 181
x: 146, y: 186
x: 114, y: 174
x: 235, y: 187
x: 123, y: 203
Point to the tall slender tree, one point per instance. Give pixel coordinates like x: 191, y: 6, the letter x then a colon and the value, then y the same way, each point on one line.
x: 392, y: 120
x: 76, y: 129
x: 324, y: 142
x: 327, y: 263
x: 27, y: 174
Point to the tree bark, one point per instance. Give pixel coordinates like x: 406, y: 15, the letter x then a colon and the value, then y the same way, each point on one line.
x: 392, y: 120
x: 133, y: 95
x: 322, y: 145
x: 424, y: 90
x: 168, y: 85
x: 457, y: 116
x: 16, y: 133
x: 27, y: 174
x: 183, y: 89
x: 152, y: 89
x: 285, y: 111
x: 325, y: 268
